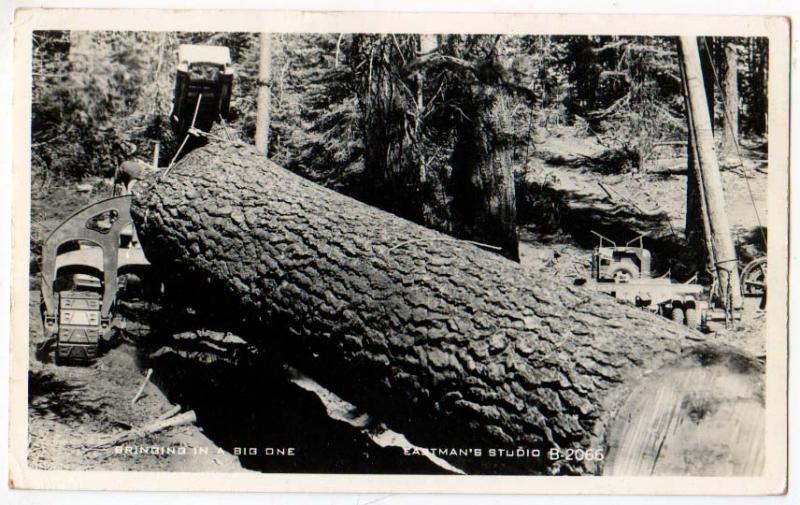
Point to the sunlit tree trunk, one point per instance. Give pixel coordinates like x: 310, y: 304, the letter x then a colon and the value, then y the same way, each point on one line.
x: 264, y: 93
x: 427, y: 44
x: 730, y: 96
x: 707, y: 163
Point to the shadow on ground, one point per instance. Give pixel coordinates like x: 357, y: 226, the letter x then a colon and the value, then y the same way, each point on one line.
x: 49, y: 395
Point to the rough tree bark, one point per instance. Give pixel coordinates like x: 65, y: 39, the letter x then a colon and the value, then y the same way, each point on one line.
x: 482, y: 204
x: 447, y: 170
x: 446, y: 343
x: 484, y: 198
x: 391, y: 176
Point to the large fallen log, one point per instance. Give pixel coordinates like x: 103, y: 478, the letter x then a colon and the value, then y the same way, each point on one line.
x: 495, y: 368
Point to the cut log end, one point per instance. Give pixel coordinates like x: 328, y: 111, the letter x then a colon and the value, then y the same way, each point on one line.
x: 700, y: 416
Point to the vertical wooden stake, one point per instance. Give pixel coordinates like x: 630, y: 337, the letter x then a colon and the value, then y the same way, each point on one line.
x: 141, y: 388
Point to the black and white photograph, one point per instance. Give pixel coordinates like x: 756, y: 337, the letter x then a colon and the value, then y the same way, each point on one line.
x: 409, y: 253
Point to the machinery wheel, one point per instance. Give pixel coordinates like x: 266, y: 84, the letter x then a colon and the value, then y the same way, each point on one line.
x: 623, y: 273
x: 754, y: 278
x: 677, y: 314
x: 692, y: 318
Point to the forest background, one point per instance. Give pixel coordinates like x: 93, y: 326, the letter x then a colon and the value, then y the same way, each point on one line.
x: 445, y: 130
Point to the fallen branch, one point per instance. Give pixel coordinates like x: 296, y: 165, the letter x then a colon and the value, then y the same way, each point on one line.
x: 677, y: 123
x: 611, y: 45
x: 625, y: 200
x: 670, y: 143
x: 141, y: 388
x: 498, y: 77
x: 600, y: 114
x: 607, y: 192
x: 171, y: 412
x: 148, y: 429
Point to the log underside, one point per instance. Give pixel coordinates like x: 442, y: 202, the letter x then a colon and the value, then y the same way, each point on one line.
x: 445, y: 343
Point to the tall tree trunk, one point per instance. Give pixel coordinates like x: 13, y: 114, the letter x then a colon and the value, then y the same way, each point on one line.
x: 80, y: 45
x: 543, y: 78
x: 438, y: 339
x: 725, y: 260
x: 392, y: 177
x: 760, y: 85
x: 473, y: 197
x: 730, y: 95
x: 264, y: 93
x: 707, y: 50
x: 697, y: 228
x: 427, y: 44
x: 484, y: 196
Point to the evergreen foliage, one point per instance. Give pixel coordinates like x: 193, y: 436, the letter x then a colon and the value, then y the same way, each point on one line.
x: 422, y: 135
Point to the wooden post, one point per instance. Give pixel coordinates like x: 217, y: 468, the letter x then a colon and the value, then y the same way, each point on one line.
x: 724, y: 254
x: 264, y: 93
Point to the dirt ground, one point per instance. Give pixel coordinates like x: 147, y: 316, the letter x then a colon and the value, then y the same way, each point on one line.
x: 651, y: 201
x: 72, y: 409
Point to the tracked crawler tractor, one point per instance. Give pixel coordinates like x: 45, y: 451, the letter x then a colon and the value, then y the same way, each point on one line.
x: 87, y: 259
x: 203, y: 85
x: 83, y: 261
